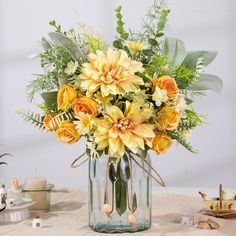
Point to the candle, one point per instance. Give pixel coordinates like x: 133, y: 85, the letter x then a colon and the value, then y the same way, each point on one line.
x: 39, y: 191
x: 36, y: 183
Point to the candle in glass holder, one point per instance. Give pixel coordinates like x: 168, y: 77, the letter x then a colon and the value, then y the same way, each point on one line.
x: 39, y: 191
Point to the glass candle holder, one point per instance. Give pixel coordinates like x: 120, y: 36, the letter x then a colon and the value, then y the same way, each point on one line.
x: 41, y: 197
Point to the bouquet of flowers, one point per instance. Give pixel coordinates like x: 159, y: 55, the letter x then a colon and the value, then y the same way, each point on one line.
x: 125, y: 99
x: 136, y: 95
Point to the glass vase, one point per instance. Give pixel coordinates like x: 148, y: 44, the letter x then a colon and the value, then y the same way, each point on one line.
x: 119, y: 194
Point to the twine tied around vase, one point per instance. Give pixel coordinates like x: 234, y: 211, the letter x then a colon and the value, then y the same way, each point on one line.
x: 158, y: 178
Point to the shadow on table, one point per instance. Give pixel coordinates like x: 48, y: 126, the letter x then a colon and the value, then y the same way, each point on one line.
x: 66, y: 206
x: 168, y: 223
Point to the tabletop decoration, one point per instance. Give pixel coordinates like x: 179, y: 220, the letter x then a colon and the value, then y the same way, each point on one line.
x: 223, y: 206
x: 37, y: 189
x: 126, y: 99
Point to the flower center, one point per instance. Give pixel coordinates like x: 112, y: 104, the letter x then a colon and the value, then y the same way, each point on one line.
x: 111, y: 73
x: 124, y: 125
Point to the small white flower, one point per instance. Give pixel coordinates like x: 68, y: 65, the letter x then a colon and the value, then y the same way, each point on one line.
x: 159, y: 96
x: 71, y: 67
x: 180, y: 104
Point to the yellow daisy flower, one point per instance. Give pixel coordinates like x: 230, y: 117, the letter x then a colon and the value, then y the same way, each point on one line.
x: 135, y: 46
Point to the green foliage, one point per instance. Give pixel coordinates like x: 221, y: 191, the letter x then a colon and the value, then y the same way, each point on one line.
x: 55, y: 59
x: 181, y: 140
x: 54, y: 24
x: 69, y: 45
x: 46, y: 82
x: 34, y: 118
x: 158, y: 66
x: 163, y: 20
x: 192, y: 57
x: 155, y: 23
x: 193, y: 117
x: 207, y: 82
x: 92, y: 42
x: 174, y: 50
x: 186, y: 125
x: 123, y: 35
x: 184, y: 76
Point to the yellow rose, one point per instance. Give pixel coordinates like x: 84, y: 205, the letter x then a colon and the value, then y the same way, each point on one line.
x: 65, y: 96
x: 169, y: 84
x: 168, y: 118
x: 49, y: 126
x: 85, y: 105
x: 67, y: 132
x: 161, y: 142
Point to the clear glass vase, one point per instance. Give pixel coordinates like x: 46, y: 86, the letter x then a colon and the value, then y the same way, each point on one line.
x: 119, y: 194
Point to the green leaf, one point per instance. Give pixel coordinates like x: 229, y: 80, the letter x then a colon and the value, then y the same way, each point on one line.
x: 120, y: 29
x: 118, y: 9
x: 160, y: 34
x: 192, y: 57
x: 50, y: 98
x: 124, y: 35
x: 174, y: 50
x: 153, y: 42
x: 207, y: 82
x: 120, y: 23
x: 148, y: 52
x: 45, y: 44
x: 68, y: 44
x: 117, y: 44
x: 121, y: 196
x: 119, y: 16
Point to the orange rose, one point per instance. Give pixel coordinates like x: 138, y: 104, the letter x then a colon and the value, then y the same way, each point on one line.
x: 161, y: 143
x: 65, y: 96
x: 85, y: 105
x: 168, y: 118
x: 169, y: 84
x: 49, y: 126
x: 67, y: 133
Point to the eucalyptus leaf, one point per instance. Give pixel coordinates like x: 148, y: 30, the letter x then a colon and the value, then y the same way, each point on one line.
x: 208, y: 82
x: 192, y: 57
x: 50, y: 98
x: 174, y: 50
x: 67, y: 43
x: 45, y: 44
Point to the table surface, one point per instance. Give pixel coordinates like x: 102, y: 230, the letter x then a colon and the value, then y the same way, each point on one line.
x: 69, y: 216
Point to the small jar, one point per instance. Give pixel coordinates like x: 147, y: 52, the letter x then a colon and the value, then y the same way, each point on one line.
x: 37, y: 222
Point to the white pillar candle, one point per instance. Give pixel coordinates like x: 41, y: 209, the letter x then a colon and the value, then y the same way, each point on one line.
x: 36, y: 183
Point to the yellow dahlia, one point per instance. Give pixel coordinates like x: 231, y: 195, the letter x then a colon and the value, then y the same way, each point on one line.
x: 118, y: 130
x: 112, y: 72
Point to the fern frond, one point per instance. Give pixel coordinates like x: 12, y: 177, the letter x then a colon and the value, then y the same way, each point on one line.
x: 56, y: 121
x: 181, y: 140
x: 34, y: 118
x: 186, y: 126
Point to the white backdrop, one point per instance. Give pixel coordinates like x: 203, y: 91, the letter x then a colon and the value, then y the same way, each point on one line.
x: 201, y: 24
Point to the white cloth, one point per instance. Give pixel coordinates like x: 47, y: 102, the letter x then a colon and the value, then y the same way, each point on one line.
x: 69, y: 216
